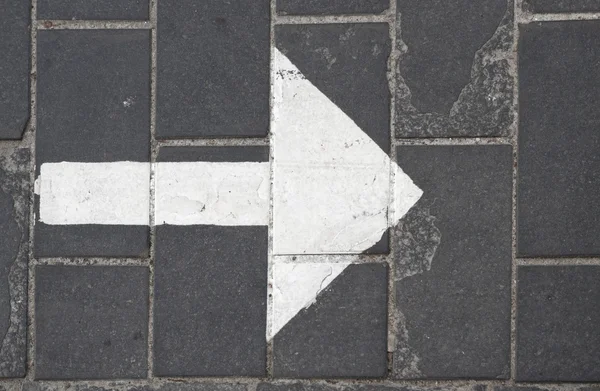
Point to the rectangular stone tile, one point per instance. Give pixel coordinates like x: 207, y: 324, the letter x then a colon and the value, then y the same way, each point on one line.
x: 555, y: 6
x: 558, y: 184
x: 453, y: 264
x: 210, y: 287
x: 93, y: 107
x: 455, y: 73
x: 213, y: 68
x: 94, y: 10
x: 347, y: 386
x: 557, y: 323
x: 14, y: 255
x: 91, y: 322
x: 14, y: 68
x: 143, y: 386
x: 343, y: 333
x: 319, y: 7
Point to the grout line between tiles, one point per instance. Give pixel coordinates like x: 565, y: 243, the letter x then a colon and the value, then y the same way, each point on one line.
x: 329, y: 19
x: 558, y: 261
x: 30, y: 363
x: 93, y: 24
x: 153, y: 155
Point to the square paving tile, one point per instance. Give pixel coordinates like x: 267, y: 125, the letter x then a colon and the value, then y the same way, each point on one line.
x: 14, y: 68
x: 453, y: 264
x: 94, y: 10
x: 557, y: 323
x: 342, y: 334
x: 558, y: 183
x: 91, y: 322
x: 213, y: 68
x: 93, y: 106
x: 454, y: 75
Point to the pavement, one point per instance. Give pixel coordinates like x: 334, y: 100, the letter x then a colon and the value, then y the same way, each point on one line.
x: 306, y: 195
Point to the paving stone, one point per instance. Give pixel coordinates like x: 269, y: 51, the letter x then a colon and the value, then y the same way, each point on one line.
x: 93, y: 106
x: 455, y: 73
x: 453, y: 264
x: 94, y: 10
x: 210, y: 289
x: 558, y: 186
x: 217, y: 86
x: 319, y: 7
x: 163, y: 386
x: 91, y: 322
x: 551, y: 6
x: 343, y: 334
x: 555, y: 387
x: 14, y: 254
x: 14, y: 68
x: 314, y: 386
x: 557, y: 323
x: 348, y: 63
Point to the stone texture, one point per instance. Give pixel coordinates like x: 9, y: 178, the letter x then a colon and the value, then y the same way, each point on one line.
x: 453, y: 264
x: 14, y: 68
x: 214, y: 154
x: 93, y: 106
x: 555, y: 6
x: 94, y: 10
x: 91, y: 322
x: 558, y: 185
x: 348, y: 63
x: 152, y: 386
x: 217, y: 86
x: 343, y: 334
x: 557, y: 323
x: 210, y: 301
x: 14, y: 255
x: 455, y: 71
x: 319, y: 7
x: 329, y: 386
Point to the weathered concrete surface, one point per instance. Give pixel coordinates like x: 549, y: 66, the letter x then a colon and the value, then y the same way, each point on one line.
x: 14, y: 255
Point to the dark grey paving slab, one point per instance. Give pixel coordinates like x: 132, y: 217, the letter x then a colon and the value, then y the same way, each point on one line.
x: 94, y: 10
x: 218, y: 86
x: 554, y: 6
x: 343, y: 334
x: 320, y: 7
x: 91, y: 322
x: 214, y: 154
x: 453, y: 264
x: 455, y: 73
x: 162, y: 386
x: 557, y: 323
x: 330, y: 386
x: 554, y: 387
x: 558, y: 184
x: 93, y: 106
x: 348, y: 63
x: 14, y: 68
x: 210, y: 301
x: 14, y: 254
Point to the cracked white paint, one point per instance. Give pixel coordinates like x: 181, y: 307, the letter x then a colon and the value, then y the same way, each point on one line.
x: 94, y: 193
x: 220, y: 193
x: 331, y: 181
x: 296, y: 286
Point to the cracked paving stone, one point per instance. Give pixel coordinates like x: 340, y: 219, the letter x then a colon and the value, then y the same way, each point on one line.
x: 556, y: 6
x: 320, y: 7
x: 91, y: 322
x: 453, y: 264
x: 210, y: 287
x: 14, y: 68
x: 93, y: 105
x: 14, y: 250
x: 93, y: 10
x: 217, y: 87
x: 455, y: 70
x: 558, y: 198
x: 342, y: 334
x: 557, y: 323
x: 347, y: 63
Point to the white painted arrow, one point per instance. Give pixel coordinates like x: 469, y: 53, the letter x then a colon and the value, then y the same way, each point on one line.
x: 332, y: 191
